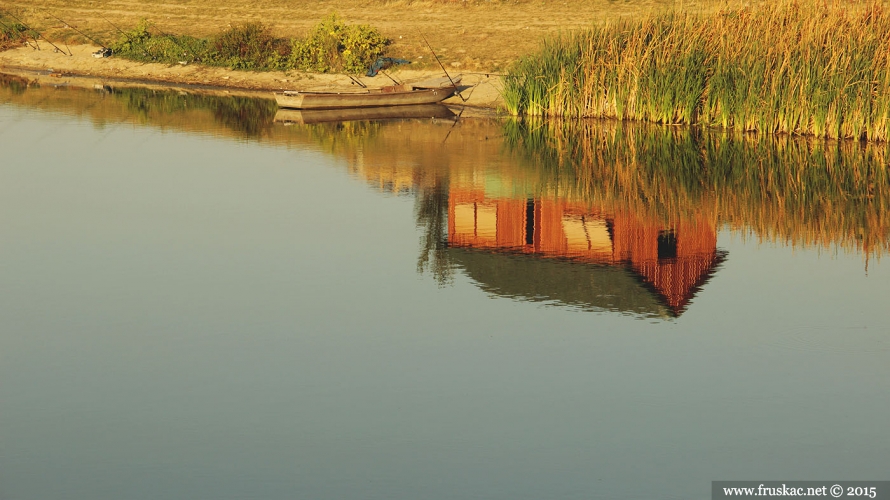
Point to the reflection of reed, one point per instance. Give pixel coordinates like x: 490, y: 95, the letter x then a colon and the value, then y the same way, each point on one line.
x: 802, y: 192
x: 342, y: 137
x: 392, y: 162
x: 431, y: 212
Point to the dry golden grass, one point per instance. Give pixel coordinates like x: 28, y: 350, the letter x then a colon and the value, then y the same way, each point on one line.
x: 808, y: 67
x: 474, y: 34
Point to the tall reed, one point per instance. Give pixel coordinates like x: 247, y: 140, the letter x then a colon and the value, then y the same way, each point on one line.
x: 804, y: 67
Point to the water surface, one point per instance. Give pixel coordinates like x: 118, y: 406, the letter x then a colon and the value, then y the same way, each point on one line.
x: 197, y: 301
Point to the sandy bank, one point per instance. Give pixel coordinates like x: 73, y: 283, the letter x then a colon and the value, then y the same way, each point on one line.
x: 82, y: 69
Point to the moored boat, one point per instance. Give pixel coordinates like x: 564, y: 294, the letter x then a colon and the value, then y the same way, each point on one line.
x: 429, y: 92
x: 305, y: 116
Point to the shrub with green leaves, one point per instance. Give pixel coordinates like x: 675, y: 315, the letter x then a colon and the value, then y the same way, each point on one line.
x: 333, y: 45
x: 248, y: 46
x: 12, y: 33
x: 140, y: 44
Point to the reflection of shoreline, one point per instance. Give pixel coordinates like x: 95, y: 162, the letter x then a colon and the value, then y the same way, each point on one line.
x: 798, y: 192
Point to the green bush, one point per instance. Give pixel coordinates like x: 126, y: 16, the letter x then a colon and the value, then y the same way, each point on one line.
x: 248, y: 46
x: 332, y: 45
x: 362, y: 46
x: 11, y: 34
x: 140, y: 45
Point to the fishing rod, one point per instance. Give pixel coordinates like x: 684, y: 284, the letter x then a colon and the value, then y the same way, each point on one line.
x: 486, y: 74
x: 451, y: 129
x: 356, y: 81
x: 11, y: 30
x: 391, y: 78
x: 442, y: 66
x: 122, y: 32
x: 38, y: 34
x: 67, y: 25
x: 462, y: 109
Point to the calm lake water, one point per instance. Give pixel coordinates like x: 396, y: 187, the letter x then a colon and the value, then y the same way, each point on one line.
x: 200, y: 302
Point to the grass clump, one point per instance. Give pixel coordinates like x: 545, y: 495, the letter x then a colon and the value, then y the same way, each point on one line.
x: 12, y: 33
x: 332, y: 45
x: 139, y: 44
x: 809, y: 68
x: 248, y: 46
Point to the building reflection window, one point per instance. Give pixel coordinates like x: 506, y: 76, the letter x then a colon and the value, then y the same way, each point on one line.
x: 667, y: 244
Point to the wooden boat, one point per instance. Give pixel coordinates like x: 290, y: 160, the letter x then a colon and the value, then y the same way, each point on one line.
x: 428, y: 92
x: 305, y: 116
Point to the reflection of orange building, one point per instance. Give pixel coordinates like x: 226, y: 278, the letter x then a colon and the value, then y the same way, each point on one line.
x: 672, y: 259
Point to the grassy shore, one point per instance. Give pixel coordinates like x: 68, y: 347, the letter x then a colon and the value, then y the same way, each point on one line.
x: 809, y: 68
x: 467, y: 35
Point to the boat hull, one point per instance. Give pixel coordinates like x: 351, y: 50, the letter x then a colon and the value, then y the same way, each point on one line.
x: 370, y: 99
x: 305, y: 116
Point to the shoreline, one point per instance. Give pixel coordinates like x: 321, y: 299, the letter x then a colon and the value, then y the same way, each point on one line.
x: 81, y: 69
